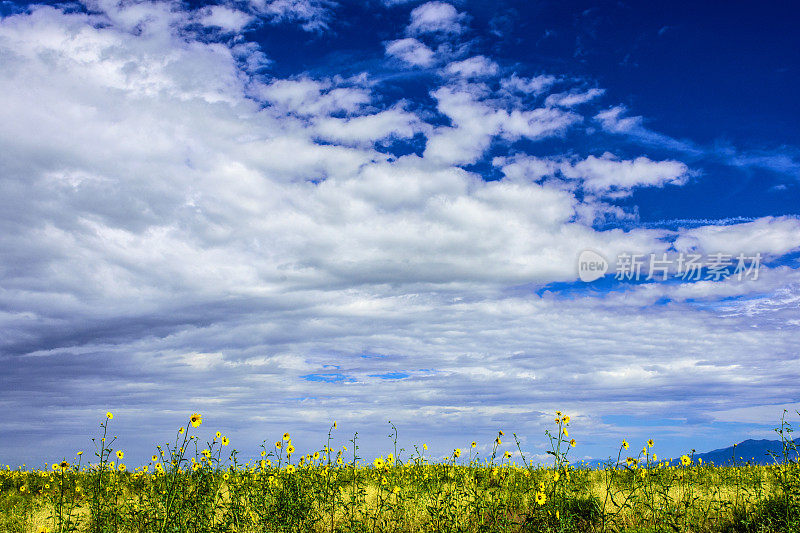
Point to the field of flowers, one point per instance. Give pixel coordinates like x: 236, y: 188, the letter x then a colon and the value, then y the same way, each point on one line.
x: 189, y: 487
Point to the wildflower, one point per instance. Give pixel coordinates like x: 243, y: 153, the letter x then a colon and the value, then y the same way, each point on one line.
x: 498, y: 441
x: 109, y: 415
x: 457, y: 453
x: 23, y: 489
x: 289, y: 469
x: 278, y: 444
x: 501, y: 433
x: 474, y: 444
x: 507, y: 454
x: 286, y: 436
x: 225, y: 441
x: 573, y: 442
x: 121, y: 467
x: 558, y: 413
x: 154, y: 458
x: 120, y: 454
x: 540, y: 498
x: 181, y: 430
x: 290, y: 449
x: 565, y: 432
x: 196, y: 420
x: 655, y: 458
x: 686, y: 460
x: 557, y: 420
x: 650, y: 443
x: 262, y: 464
x: 624, y: 444
x: 334, y: 424
x: 217, y: 435
x: 316, y: 455
x: 566, y: 419
x: 379, y: 463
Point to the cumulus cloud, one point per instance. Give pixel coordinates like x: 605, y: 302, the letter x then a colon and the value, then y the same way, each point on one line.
x: 436, y: 17
x: 411, y: 51
x: 608, y: 172
x: 474, y: 67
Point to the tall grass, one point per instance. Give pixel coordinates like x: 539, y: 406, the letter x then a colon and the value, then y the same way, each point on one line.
x: 192, y: 487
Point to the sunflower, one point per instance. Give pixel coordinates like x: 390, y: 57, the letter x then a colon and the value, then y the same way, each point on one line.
x: 498, y: 441
x: 109, y: 415
x: 217, y: 434
x: 225, y: 441
x: 286, y: 436
x: 289, y: 469
x: 457, y: 453
x: 120, y: 454
x: 154, y: 458
x: 625, y: 444
x: 566, y: 419
x: 540, y: 498
x: 573, y: 442
x: 278, y: 444
x: 507, y: 455
x: 196, y: 419
x: 290, y: 449
x: 121, y: 467
x: 650, y: 443
x: 379, y: 462
x: 686, y: 460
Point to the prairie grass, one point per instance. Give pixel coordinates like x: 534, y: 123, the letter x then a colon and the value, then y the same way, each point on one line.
x: 190, y: 488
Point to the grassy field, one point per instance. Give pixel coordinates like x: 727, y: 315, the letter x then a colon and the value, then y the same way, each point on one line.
x: 188, y: 487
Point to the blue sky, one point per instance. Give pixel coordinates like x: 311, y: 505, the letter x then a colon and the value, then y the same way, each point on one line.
x: 281, y: 213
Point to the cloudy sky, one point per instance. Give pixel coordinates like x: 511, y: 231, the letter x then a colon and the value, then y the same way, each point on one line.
x: 280, y: 213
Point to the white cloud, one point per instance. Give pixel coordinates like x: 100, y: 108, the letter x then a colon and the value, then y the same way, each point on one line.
x: 607, y: 173
x: 573, y: 98
x: 613, y: 121
x: 313, y: 15
x: 411, y: 51
x: 474, y: 67
x: 436, y: 17
x: 771, y: 236
x: 532, y: 86
x: 476, y: 122
x: 225, y: 18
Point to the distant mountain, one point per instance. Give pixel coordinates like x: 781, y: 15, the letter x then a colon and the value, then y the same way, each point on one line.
x: 757, y: 452
x: 750, y: 451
